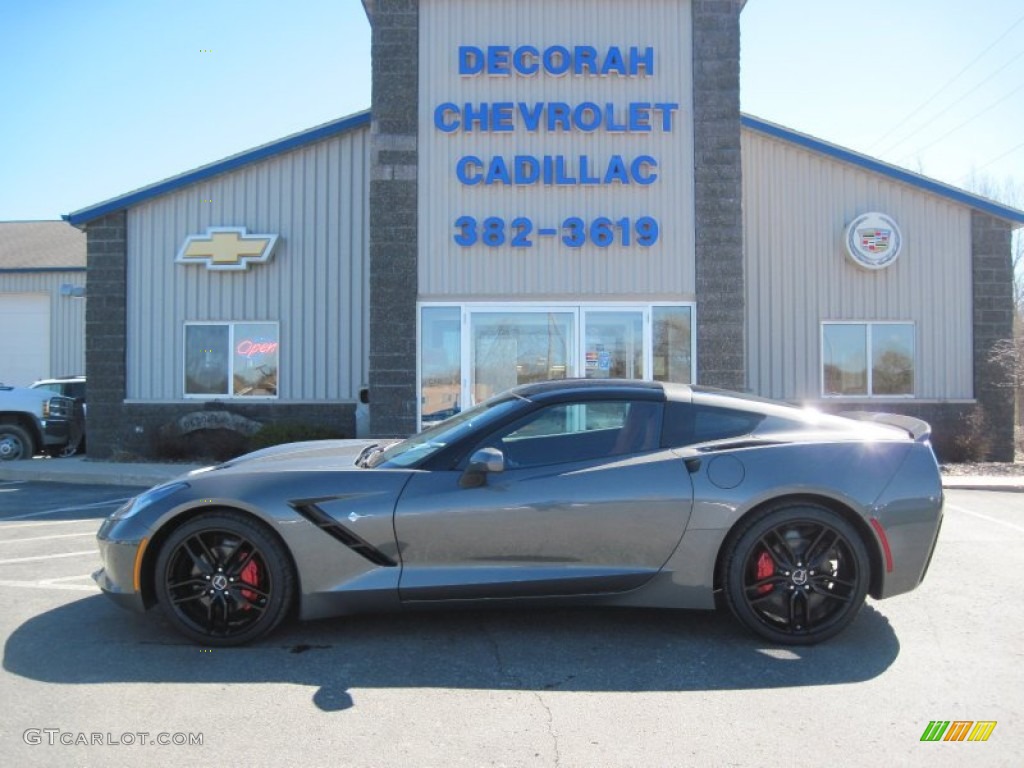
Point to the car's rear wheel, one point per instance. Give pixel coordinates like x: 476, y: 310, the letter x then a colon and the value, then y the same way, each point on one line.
x: 14, y: 443
x: 798, y: 574
x: 223, y: 579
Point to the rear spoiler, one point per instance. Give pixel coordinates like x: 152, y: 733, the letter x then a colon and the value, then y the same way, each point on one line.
x: 919, y: 430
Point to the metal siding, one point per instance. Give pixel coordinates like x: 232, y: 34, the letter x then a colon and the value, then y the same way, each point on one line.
x: 314, y: 285
x: 550, y: 269
x: 67, y: 316
x: 796, y: 207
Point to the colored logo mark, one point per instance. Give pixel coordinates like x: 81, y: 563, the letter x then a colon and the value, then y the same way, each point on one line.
x: 226, y: 248
x: 874, y: 240
x: 958, y: 730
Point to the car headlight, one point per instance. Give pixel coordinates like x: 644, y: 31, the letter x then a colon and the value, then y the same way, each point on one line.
x: 152, y: 496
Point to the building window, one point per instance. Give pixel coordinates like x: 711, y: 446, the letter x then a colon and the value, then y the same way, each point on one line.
x: 673, y: 344
x: 231, y: 359
x: 440, y: 363
x: 867, y: 359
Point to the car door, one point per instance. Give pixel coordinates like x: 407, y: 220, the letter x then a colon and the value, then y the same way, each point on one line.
x: 588, y: 502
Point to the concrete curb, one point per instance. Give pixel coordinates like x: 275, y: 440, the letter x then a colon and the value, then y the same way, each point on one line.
x: 984, y: 483
x: 81, y: 471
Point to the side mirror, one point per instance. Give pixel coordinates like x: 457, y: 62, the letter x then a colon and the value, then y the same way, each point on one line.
x: 482, y: 463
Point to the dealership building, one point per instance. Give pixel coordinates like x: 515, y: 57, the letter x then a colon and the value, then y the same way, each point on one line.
x: 542, y: 190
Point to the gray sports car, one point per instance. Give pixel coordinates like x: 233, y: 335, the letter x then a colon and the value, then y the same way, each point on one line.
x: 598, y: 492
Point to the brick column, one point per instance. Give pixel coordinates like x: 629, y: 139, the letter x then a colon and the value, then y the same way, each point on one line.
x: 992, y: 274
x: 393, y: 216
x: 105, y: 332
x: 721, y: 352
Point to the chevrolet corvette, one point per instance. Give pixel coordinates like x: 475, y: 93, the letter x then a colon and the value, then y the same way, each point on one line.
x: 595, y: 492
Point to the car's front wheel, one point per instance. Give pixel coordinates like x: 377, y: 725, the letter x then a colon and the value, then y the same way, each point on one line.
x: 223, y: 579
x: 797, y: 574
x: 14, y: 443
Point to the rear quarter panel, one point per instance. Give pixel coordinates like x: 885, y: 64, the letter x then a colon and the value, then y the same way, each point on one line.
x: 730, y: 484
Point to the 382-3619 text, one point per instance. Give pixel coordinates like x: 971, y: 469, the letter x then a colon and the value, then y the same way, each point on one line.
x: 520, y: 232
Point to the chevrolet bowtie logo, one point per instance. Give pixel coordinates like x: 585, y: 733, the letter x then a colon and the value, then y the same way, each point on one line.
x: 226, y: 248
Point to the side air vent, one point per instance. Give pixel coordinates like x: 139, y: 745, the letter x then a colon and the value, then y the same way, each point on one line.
x: 734, y: 445
x: 333, y: 528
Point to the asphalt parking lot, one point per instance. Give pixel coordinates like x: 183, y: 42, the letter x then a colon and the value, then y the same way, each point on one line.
x: 85, y: 683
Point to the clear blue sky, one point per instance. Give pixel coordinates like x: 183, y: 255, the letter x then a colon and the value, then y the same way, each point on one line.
x: 100, y: 97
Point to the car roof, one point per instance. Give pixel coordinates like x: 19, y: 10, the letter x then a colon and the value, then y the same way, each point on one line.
x: 59, y: 380
x: 596, y: 388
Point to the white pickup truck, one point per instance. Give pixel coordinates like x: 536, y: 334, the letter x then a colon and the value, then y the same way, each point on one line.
x: 35, y: 421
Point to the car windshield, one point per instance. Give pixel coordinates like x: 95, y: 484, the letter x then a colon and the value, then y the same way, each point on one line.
x: 430, y: 441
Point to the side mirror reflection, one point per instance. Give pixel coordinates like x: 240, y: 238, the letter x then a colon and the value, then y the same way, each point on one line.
x: 482, y: 463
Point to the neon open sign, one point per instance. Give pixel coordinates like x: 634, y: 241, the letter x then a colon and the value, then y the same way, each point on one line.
x: 249, y: 348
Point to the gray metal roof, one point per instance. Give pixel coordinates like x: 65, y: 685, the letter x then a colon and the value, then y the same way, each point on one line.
x: 41, y: 246
x: 287, y: 144
x: 957, y: 195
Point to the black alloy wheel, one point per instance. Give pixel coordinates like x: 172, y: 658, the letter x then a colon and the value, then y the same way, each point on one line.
x: 797, y: 575
x: 222, y: 579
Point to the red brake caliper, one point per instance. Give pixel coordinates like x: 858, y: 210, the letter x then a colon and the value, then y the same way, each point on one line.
x: 250, y: 575
x: 765, y: 568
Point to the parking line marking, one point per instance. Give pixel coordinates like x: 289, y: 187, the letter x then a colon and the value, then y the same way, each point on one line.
x: 66, y: 578
x: 47, y: 557
x: 985, y: 517
x: 45, y: 585
x: 94, y: 505
x: 17, y: 526
x: 47, y: 538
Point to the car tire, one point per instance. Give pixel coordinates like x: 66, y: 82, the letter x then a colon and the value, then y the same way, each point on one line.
x: 14, y: 443
x: 796, y: 574
x: 224, y: 579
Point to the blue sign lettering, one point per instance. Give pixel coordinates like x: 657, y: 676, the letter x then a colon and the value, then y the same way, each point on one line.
x: 555, y: 60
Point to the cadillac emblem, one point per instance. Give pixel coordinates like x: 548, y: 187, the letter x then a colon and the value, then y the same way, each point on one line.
x: 873, y: 240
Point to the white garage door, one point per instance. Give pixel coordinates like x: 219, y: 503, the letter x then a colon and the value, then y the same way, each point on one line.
x: 25, y: 338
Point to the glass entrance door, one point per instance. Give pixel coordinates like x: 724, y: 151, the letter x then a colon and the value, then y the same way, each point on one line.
x: 519, y: 347
x: 614, y: 344
x: 472, y: 351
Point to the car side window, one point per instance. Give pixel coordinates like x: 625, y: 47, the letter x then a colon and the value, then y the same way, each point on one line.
x: 582, y: 431
x: 687, y: 424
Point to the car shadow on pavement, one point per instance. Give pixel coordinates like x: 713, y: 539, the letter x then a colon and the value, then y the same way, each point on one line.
x: 92, y: 641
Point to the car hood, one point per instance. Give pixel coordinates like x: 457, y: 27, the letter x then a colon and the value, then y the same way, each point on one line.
x: 310, y: 455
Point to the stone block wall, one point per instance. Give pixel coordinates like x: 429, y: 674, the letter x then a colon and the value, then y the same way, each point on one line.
x: 105, y: 332
x: 992, y: 273
x: 721, y: 358
x: 393, y: 216
x: 140, y: 435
